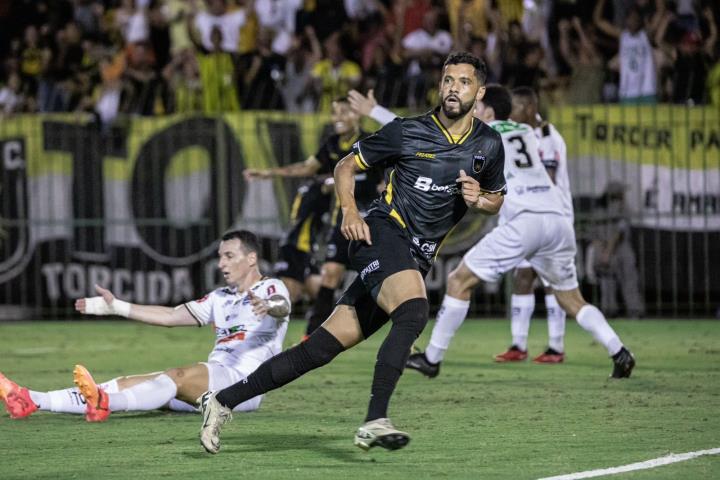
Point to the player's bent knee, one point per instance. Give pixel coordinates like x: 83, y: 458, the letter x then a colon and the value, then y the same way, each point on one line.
x: 523, y: 281
x: 322, y: 347
x: 412, y: 315
x: 332, y: 274
x: 460, y: 280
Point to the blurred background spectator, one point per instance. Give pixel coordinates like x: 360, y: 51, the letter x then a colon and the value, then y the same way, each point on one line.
x: 146, y: 57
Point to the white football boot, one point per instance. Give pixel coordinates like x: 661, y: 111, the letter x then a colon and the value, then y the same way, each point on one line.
x: 380, y: 433
x: 214, y: 417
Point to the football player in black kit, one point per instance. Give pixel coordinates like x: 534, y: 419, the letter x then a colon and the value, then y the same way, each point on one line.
x: 442, y: 164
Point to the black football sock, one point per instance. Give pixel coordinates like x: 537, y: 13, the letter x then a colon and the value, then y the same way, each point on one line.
x: 283, y: 368
x: 408, y: 321
x: 323, y: 307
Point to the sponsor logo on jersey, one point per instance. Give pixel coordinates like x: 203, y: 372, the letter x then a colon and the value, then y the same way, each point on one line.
x: 427, y: 248
x: 478, y: 161
x: 426, y: 184
x: 374, y: 265
x: 424, y: 155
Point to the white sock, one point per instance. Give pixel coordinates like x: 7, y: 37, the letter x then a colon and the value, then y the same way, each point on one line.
x: 148, y: 395
x: 111, y: 386
x: 522, y: 307
x: 592, y: 320
x: 451, y: 315
x: 68, y: 400
x: 179, y: 406
x: 41, y: 399
x: 556, y: 324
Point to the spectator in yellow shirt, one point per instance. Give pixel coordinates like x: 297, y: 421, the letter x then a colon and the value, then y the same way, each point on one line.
x: 334, y: 75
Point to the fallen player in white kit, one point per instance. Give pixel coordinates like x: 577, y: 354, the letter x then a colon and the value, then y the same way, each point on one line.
x: 250, y: 316
x: 532, y: 227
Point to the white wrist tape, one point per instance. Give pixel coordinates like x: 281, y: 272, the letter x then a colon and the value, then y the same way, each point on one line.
x: 121, y: 308
x: 98, y: 306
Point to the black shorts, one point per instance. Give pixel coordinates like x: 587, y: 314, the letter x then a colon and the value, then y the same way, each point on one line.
x: 337, y: 247
x: 295, y: 264
x: 391, y: 252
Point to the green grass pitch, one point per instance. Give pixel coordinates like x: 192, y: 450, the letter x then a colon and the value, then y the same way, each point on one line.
x: 476, y: 420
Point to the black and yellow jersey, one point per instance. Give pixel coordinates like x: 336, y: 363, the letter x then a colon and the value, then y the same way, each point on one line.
x: 308, y: 207
x: 424, y: 160
x: 366, y: 183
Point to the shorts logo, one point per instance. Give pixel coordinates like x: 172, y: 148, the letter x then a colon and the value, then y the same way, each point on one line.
x: 374, y: 265
x: 478, y: 161
x: 424, y: 155
x: 270, y: 290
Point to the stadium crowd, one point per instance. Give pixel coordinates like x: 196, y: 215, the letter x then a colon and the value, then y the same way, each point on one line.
x: 151, y: 57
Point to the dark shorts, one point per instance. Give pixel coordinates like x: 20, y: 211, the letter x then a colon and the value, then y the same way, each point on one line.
x: 390, y: 252
x: 295, y: 264
x: 337, y: 247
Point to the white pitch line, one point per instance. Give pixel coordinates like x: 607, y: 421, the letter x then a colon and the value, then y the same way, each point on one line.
x: 655, y: 462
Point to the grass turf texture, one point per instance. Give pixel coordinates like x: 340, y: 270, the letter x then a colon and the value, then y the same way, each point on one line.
x: 476, y: 420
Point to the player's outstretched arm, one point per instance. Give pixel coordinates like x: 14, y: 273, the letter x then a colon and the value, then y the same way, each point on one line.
x: 353, y: 226
x: 477, y: 199
x: 107, y: 304
x: 306, y: 168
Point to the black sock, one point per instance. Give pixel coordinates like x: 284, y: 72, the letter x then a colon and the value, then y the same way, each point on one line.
x: 283, y: 368
x: 408, y: 321
x: 322, y: 308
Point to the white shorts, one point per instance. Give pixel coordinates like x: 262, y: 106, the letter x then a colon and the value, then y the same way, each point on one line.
x: 231, y: 363
x: 526, y: 264
x: 546, y: 241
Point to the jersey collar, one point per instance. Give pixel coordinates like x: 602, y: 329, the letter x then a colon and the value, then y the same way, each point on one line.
x: 445, y: 131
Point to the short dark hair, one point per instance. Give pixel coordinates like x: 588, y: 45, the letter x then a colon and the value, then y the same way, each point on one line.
x: 465, y: 57
x: 526, y: 92
x: 249, y: 240
x: 498, y: 98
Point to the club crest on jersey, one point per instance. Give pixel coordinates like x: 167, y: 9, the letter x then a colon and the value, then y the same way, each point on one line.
x: 478, y: 161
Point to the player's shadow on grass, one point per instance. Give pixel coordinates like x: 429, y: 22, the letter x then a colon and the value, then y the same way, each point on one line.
x: 260, y: 443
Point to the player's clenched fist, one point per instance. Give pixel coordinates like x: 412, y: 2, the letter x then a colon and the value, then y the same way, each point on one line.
x: 354, y: 227
x: 470, y: 188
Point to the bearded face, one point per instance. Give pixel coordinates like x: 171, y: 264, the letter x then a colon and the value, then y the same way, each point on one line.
x: 458, y: 90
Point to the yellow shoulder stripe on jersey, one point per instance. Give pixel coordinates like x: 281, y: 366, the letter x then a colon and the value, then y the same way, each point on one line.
x: 394, y: 214
x: 303, y: 243
x: 345, y: 145
x: 362, y: 164
x: 389, y: 188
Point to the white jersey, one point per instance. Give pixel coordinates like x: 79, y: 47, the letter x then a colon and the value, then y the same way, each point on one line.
x: 553, y: 154
x: 238, y: 331
x: 529, y: 187
x: 638, y: 77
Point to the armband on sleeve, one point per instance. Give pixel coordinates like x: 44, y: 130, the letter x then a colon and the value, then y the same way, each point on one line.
x: 278, y: 306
